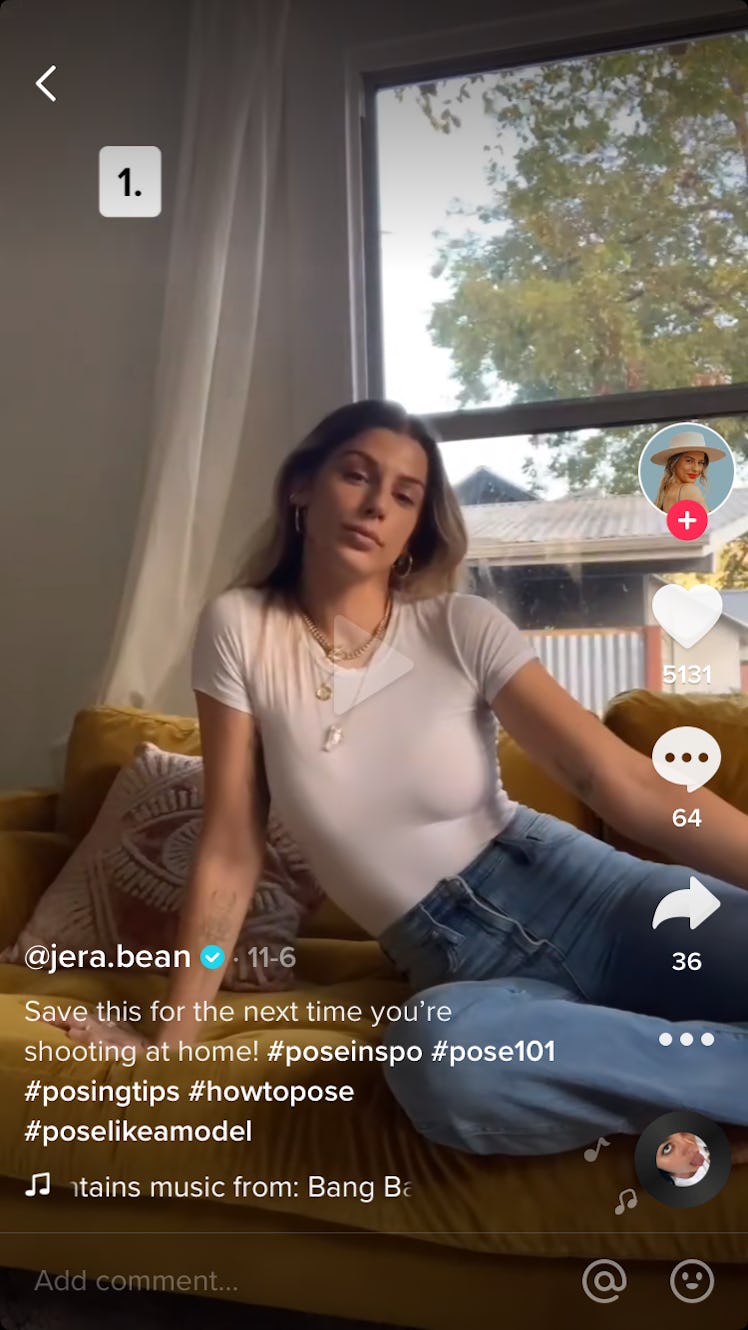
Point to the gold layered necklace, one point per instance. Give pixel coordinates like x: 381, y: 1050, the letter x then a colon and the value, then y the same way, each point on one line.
x: 334, y: 732
x: 335, y: 654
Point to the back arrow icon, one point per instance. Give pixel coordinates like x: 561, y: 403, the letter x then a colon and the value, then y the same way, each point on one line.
x: 695, y: 904
x: 40, y: 83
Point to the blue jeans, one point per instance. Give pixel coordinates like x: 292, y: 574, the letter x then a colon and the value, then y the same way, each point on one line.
x: 547, y: 935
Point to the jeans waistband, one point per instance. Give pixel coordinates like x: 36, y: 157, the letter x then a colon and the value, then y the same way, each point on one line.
x: 521, y: 820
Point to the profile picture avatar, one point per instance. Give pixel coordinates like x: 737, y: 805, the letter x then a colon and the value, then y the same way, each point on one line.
x: 683, y: 1159
x: 686, y: 462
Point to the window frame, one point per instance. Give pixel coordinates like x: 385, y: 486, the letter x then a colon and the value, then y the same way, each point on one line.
x: 555, y: 415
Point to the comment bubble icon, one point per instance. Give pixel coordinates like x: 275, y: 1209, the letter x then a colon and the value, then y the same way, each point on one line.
x: 687, y: 756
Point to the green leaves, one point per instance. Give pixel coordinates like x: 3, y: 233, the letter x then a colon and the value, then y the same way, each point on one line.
x: 620, y: 183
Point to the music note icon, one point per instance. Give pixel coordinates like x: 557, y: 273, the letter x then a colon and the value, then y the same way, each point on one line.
x: 629, y: 1204
x: 44, y: 1189
x: 592, y: 1153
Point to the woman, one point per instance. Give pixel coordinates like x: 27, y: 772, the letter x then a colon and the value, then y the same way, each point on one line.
x: 686, y: 462
x: 683, y: 1159
x: 343, y: 675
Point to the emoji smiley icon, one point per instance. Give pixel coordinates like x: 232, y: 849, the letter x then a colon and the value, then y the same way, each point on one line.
x: 691, y: 1281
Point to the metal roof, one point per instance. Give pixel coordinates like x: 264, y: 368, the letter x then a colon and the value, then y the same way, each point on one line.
x: 587, y: 529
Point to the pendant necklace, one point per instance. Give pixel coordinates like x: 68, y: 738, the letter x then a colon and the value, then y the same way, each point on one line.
x: 334, y: 732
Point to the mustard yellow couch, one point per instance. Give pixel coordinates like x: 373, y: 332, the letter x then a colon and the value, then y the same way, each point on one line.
x: 510, y: 1235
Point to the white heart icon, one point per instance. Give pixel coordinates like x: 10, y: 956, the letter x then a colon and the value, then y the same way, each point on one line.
x: 687, y: 614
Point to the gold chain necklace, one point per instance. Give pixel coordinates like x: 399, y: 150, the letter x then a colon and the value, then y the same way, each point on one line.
x: 334, y: 732
x: 334, y: 653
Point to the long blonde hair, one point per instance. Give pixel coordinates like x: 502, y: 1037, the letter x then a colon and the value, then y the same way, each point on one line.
x: 669, y: 477
x: 439, y: 542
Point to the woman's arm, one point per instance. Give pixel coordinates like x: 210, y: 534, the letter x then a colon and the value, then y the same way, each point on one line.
x: 217, y: 899
x: 216, y: 904
x: 617, y: 782
x: 228, y: 861
x: 227, y: 864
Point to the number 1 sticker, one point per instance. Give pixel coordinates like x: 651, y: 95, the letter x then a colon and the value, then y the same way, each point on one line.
x: 130, y: 182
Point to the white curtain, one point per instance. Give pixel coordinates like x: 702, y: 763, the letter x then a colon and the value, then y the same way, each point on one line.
x: 223, y: 221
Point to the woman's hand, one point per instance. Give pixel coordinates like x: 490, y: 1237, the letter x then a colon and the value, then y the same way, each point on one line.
x: 94, y: 1031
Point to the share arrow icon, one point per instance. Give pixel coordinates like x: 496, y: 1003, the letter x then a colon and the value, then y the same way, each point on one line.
x: 695, y: 904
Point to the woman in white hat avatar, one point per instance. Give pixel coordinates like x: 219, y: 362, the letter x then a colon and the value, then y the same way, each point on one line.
x: 686, y: 462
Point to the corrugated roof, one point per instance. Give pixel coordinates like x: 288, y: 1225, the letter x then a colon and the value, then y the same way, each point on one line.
x: 620, y: 526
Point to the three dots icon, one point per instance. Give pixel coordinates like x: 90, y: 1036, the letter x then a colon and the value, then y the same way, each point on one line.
x: 686, y: 1039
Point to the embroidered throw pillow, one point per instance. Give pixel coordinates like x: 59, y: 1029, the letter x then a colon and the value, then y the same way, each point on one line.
x: 125, y: 881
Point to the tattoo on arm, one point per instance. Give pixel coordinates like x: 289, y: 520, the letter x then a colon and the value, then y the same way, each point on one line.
x: 217, y: 923
x: 581, y: 781
x: 213, y: 928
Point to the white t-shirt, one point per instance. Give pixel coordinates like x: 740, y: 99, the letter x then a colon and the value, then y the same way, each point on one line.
x: 412, y: 793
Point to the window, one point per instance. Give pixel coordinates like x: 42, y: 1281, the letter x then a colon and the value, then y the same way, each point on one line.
x: 558, y: 268
x: 577, y: 568
x: 569, y: 230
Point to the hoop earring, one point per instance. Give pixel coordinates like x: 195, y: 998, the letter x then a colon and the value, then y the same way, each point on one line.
x: 297, y: 519
x: 403, y: 572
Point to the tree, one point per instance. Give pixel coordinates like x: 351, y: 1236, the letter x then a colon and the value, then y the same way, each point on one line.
x: 618, y: 253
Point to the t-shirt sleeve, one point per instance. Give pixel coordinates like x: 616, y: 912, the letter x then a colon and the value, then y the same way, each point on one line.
x: 491, y: 647
x: 219, y: 666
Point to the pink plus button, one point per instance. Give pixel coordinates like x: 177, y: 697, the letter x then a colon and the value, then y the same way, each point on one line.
x: 687, y: 520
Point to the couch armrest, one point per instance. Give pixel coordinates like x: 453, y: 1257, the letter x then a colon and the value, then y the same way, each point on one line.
x: 29, y: 862
x: 28, y: 810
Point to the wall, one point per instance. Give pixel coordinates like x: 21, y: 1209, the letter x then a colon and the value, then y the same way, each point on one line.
x: 79, y: 325
x: 81, y: 295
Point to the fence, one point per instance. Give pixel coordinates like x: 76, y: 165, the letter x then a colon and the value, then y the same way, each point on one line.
x: 595, y: 664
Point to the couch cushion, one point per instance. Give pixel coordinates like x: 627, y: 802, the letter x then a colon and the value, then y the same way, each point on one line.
x: 125, y: 882
x: 28, y: 810
x: 103, y: 739
x: 29, y: 862
x: 640, y: 717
